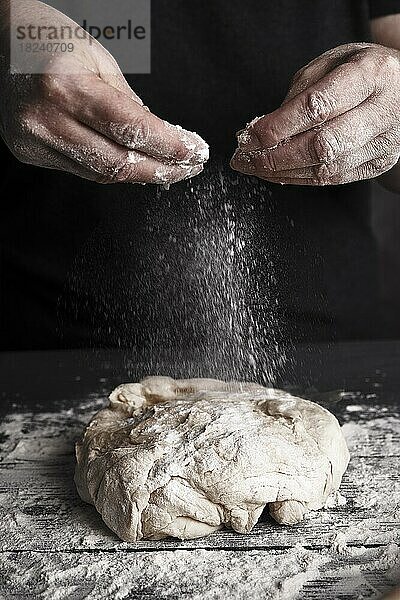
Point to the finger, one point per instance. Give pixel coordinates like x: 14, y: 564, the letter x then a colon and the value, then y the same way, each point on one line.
x: 163, y: 175
x: 107, y: 161
x: 59, y: 162
x: 40, y: 155
x: 382, y: 145
x: 367, y: 170
x: 110, y: 112
x: 339, y: 91
x: 345, y: 134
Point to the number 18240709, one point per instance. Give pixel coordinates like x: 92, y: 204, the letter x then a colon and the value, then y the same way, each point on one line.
x: 51, y: 47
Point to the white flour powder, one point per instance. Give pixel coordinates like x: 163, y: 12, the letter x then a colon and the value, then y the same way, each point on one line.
x: 55, y: 547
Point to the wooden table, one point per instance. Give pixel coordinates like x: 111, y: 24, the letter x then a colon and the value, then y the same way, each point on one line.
x: 55, y: 546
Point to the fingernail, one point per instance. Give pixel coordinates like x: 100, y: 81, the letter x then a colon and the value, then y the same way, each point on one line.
x: 241, y: 161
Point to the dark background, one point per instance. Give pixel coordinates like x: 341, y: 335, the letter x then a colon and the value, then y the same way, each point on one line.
x: 79, y: 262
x: 385, y: 220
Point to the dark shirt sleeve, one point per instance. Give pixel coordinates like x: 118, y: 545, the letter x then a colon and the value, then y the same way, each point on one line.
x: 380, y: 8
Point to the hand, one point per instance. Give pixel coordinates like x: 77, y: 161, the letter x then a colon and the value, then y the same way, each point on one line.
x: 339, y: 122
x: 80, y: 115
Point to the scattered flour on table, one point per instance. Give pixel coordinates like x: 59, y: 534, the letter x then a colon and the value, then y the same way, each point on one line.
x: 37, y: 463
x: 194, y: 574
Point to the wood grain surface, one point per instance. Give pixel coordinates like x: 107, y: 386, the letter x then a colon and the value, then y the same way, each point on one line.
x: 46, y: 528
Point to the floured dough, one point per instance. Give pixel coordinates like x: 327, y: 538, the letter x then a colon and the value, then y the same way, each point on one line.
x: 183, y: 458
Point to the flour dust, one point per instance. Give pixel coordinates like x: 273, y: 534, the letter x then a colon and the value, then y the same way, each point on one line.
x: 191, y: 285
x: 229, y: 305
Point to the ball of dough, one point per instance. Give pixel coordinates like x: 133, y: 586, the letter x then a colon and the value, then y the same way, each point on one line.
x: 183, y: 458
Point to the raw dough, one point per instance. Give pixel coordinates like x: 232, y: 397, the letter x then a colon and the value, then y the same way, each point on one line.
x: 183, y: 458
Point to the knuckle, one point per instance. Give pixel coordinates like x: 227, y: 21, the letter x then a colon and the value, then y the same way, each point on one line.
x: 121, y: 172
x: 327, y: 145
x: 376, y: 165
x: 394, y: 137
x: 386, y: 142
x: 319, y: 106
x: 118, y: 170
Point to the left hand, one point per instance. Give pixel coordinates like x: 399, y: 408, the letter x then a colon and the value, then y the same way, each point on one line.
x: 339, y: 122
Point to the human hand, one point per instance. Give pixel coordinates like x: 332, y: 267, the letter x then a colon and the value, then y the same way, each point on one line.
x: 339, y: 122
x: 80, y: 115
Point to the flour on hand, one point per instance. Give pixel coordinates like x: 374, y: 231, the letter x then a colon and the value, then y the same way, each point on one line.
x: 183, y: 458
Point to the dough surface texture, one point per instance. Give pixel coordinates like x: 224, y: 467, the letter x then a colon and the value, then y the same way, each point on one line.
x: 183, y: 458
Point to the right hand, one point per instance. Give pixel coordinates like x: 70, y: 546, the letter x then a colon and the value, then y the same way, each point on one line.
x: 80, y: 115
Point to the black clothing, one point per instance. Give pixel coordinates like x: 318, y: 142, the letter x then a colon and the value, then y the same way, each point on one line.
x: 90, y: 265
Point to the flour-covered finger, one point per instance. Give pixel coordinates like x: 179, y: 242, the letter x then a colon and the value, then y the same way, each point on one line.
x: 156, y: 173
x: 60, y: 162
x: 46, y: 157
x: 324, y: 145
x: 114, y: 114
x: 107, y: 161
x: 368, y: 170
x: 339, y: 91
x: 136, y: 128
x: 382, y: 145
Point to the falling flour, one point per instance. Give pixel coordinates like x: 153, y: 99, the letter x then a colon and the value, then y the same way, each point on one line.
x: 192, y: 286
x: 226, y: 257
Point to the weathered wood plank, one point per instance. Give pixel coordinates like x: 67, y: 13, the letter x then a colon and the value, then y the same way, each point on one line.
x: 55, y: 546
x: 202, y: 574
x: 44, y: 513
x: 40, y: 509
